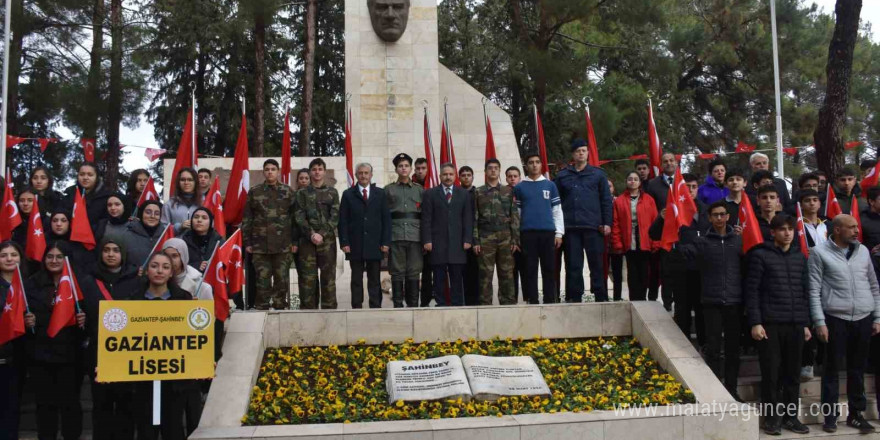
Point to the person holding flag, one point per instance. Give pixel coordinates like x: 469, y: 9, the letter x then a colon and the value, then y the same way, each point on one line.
x: 586, y: 207
x: 201, y: 239
x: 54, y: 347
x: 186, y: 277
x: 134, y: 188
x: 25, y: 201
x: 141, y: 235
x: 14, y: 320
x: 59, y: 230
x: 115, y: 279
x: 179, y: 208
x: 266, y: 228
x: 92, y: 190
x: 717, y: 255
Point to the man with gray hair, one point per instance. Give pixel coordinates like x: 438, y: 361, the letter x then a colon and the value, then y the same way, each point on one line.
x: 845, y: 310
x: 364, y: 235
x: 760, y: 161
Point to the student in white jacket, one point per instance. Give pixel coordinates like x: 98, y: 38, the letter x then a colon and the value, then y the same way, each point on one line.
x: 185, y: 276
x: 845, y: 309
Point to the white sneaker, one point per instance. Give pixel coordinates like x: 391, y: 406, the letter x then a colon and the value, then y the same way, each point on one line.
x: 806, y: 373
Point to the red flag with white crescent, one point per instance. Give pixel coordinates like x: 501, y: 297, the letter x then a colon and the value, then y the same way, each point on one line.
x: 187, y: 155
x: 871, y: 179
x: 9, y: 216
x: 214, y: 203
x: 149, y: 193
x: 802, y: 232
x: 832, y: 206
x: 215, y: 276
x: 671, y: 220
x: 751, y: 231
x: 88, y: 146
x: 239, y: 179
x: 35, y: 246
x: 431, y: 179
x: 80, y: 229
x: 64, y: 305
x: 686, y: 206
x: 231, y: 256
x: 12, y: 318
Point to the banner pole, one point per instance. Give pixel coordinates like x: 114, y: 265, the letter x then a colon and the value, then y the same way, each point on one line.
x: 157, y: 402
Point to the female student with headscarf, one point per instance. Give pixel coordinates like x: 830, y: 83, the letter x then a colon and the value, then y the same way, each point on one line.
x: 94, y: 192
x: 112, y: 403
x: 54, y: 364
x: 142, y: 234
x: 59, y: 230
x: 186, y: 277
x: 42, y: 185
x: 201, y: 239
x: 186, y: 199
x: 116, y: 221
x: 159, y: 286
x: 12, y: 358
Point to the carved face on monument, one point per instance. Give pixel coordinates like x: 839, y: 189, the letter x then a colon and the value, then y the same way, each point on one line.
x: 389, y: 18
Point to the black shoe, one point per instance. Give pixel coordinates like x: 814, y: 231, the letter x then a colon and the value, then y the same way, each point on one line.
x: 857, y: 420
x: 397, y: 293
x: 772, y: 426
x: 830, y: 425
x: 795, y: 426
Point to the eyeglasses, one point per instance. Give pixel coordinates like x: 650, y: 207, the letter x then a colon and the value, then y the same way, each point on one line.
x: 152, y: 213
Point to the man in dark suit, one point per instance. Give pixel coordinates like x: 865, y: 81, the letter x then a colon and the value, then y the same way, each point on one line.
x: 447, y: 233
x: 658, y: 189
x: 364, y: 235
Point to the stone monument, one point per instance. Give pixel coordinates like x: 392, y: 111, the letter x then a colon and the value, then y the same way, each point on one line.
x: 392, y: 70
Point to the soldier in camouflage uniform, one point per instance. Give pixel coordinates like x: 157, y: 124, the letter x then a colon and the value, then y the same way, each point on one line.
x: 496, y: 235
x: 266, y: 231
x: 302, y: 181
x: 405, y: 203
x: 317, y: 216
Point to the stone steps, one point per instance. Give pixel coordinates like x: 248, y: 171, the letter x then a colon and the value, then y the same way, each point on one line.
x: 749, y: 387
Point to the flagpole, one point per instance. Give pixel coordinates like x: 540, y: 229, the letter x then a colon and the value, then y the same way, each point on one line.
x: 210, y: 263
x: 5, y: 106
x: 164, y: 231
x: 73, y: 286
x: 27, y: 307
x: 779, y: 161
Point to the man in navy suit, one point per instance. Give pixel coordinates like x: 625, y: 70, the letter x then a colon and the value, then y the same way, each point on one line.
x: 364, y: 235
x: 447, y: 233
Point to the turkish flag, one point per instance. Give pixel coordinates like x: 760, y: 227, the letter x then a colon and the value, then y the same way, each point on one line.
x: 447, y: 149
x: 751, y: 231
x: 80, y: 229
x: 854, y: 211
x: 36, y: 237
x: 431, y: 179
x: 231, y: 257
x: 542, y: 146
x: 791, y: 151
x: 187, y: 155
x: 655, y: 149
x: 167, y: 234
x: 490, y: 139
x: 742, y: 147
x: 593, y: 157
x: 285, y: 152
x: 12, y: 141
x: 802, y: 232
x: 9, y: 216
x: 707, y: 155
x: 215, y: 276
x: 12, y: 319
x: 871, y: 179
x: 64, y: 306
x: 214, y: 203
x: 852, y: 144
x: 832, y: 206
x: 638, y: 156
x: 149, y: 193
x: 88, y: 146
x: 671, y: 220
x: 44, y: 143
x: 153, y: 153
x: 349, y: 154
x: 686, y: 206
x: 239, y: 179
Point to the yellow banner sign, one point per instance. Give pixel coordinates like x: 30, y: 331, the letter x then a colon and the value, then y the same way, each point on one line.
x: 155, y: 340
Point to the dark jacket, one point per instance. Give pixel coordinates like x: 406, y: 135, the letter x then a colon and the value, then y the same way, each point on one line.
x: 781, y: 189
x: 364, y: 225
x: 66, y: 346
x: 200, y: 250
x: 96, y: 202
x: 120, y: 287
x: 776, y: 286
x: 870, y: 228
x: 686, y: 235
x: 49, y: 201
x: 447, y: 226
x: 138, y: 243
x: 586, y: 197
x: 658, y: 189
x: 718, y: 258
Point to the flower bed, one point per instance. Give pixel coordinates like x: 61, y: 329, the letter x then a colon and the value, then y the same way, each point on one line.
x: 342, y: 384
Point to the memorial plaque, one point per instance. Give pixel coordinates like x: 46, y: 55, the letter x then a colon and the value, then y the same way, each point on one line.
x: 493, y: 377
x: 429, y: 379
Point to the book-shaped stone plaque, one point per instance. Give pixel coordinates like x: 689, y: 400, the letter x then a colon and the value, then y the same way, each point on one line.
x: 493, y: 377
x: 429, y: 379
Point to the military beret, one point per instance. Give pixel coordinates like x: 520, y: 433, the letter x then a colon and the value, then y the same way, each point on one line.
x: 400, y: 157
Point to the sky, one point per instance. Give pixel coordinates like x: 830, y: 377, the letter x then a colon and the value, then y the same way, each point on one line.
x: 143, y: 135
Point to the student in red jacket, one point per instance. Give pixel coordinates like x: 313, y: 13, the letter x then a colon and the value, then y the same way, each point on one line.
x: 634, y: 211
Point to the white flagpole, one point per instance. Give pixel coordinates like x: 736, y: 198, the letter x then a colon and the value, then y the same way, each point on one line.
x: 779, y: 161
x: 6, y: 31
x: 195, y: 151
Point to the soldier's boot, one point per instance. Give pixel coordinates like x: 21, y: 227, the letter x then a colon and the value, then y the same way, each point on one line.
x: 412, y: 293
x: 397, y: 294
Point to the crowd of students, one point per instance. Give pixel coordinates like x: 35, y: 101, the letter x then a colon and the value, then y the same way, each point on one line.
x: 122, y: 266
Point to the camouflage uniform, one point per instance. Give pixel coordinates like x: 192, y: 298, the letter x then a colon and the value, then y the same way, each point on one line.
x: 405, y: 203
x: 317, y: 212
x: 496, y: 228
x: 265, y: 228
